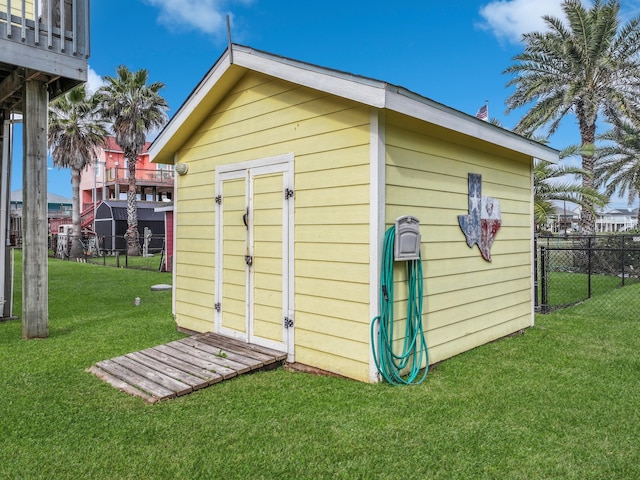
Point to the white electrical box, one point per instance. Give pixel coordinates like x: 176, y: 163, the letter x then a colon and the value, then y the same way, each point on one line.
x: 407, y: 241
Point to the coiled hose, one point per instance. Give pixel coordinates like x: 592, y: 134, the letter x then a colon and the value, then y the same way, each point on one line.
x: 414, y: 349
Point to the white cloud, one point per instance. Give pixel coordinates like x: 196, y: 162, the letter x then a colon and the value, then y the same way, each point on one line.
x: 207, y: 16
x: 509, y: 19
x: 94, y: 81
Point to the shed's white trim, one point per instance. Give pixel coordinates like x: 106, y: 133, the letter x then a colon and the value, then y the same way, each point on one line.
x: 533, y: 249
x: 262, y: 162
x: 241, y: 170
x: 174, y: 263
x: 190, y: 114
x: 374, y: 93
x: 377, y: 201
x: 366, y: 91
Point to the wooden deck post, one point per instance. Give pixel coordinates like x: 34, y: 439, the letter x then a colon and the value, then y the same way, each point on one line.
x: 35, y: 295
x: 6, y: 270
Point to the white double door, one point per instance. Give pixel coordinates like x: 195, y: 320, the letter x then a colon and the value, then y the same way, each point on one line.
x: 254, y: 252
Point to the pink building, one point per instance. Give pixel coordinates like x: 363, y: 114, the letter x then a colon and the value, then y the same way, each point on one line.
x: 108, y: 179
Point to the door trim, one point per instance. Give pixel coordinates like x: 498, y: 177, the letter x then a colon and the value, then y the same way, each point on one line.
x: 219, y: 262
x: 280, y: 163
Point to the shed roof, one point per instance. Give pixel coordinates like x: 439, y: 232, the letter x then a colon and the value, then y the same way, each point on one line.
x: 625, y: 212
x: 52, y: 198
x: 118, y: 210
x: 238, y: 59
x: 111, y: 145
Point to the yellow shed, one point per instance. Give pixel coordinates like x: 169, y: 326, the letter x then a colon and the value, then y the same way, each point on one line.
x: 289, y: 176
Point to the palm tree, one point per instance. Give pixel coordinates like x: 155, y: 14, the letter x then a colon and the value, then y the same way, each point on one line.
x: 618, y: 162
x: 134, y: 109
x: 75, y: 133
x: 548, y: 188
x: 586, y: 66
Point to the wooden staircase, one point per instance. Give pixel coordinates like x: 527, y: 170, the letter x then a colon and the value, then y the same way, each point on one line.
x: 87, y: 216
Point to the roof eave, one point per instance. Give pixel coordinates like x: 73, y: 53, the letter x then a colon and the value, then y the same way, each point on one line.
x: 191, y: 112
x: 364, y: 90
x: 408, y: 103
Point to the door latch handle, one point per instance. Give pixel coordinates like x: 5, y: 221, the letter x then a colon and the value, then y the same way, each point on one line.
x: 248, y: 259
x: 245, y: 219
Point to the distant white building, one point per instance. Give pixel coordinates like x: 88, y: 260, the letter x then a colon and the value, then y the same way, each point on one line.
x: 58, y: 207
x: 567, y: 219
x: 617, y: 220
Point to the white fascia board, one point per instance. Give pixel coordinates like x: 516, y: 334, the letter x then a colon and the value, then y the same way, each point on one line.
x: 377, y: 213
x: 168, y: 208
x: 379, y: 94
x: 413, y: 105
x: 187, y: 109
x: 364, y: 90
x: 360, y: 89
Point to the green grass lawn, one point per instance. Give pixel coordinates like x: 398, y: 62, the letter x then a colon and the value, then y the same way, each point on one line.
x: 565, y: 288
x: 562, y: 400
x: 140, y: 262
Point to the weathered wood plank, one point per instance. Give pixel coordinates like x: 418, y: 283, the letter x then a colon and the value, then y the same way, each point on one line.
x: 206, y: 375
x: 176, y: 351
x: 154, y: 375
x: 121, y: 384
x: 181, y: 376
x: 136, y: 380
x: 182, y: 366
x: 249, y: 363
x: 238, y: 349
x: 255, y: 348
x: 220, y: 362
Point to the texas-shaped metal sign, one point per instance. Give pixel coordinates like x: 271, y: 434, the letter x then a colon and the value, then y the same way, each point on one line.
x: 483, y: 221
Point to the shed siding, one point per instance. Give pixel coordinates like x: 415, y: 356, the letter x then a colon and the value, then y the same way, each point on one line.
x: 467, y: 300
x: 262, y: 117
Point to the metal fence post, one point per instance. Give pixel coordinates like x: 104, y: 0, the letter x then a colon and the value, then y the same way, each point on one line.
x: 623, y: 251
x: 536, y: 303
x: 543, y: 280
x: 589, y: 254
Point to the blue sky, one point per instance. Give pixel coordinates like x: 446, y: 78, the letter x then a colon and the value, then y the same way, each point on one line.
x: 452, y: 52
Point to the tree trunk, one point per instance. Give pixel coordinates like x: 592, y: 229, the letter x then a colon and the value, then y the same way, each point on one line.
x: 587, y: 137
x: 77, y: 250
x: 133, y: 242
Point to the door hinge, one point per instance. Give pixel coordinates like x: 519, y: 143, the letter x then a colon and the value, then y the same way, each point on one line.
x: 288, y: 322
x: 288, y: 193
x: 218, y: 307
x: 219, y: 199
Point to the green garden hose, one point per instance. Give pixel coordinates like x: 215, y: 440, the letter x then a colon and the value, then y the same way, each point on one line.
x: 403, y: 368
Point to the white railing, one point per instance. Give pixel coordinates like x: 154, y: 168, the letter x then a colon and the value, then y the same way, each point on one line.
x: 44, y: 24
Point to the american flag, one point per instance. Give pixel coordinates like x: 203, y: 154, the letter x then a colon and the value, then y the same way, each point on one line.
x: 483, y: 113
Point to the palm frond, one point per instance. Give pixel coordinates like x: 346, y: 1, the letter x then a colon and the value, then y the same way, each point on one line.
x: 586, y: 64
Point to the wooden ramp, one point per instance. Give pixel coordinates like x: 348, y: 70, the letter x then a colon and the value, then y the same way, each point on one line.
x: 185, y: 365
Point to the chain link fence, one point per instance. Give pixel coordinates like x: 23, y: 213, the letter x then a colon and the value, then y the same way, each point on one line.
x: 572, y: 269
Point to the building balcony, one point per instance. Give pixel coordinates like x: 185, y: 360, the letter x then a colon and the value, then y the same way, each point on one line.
x: 46, y: 40
x: 144, y: 177
x: 151, y: 185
